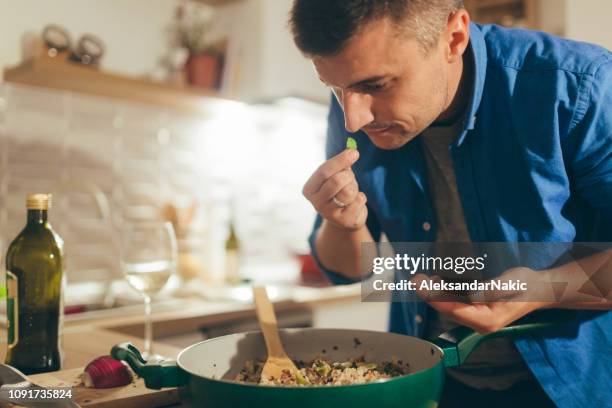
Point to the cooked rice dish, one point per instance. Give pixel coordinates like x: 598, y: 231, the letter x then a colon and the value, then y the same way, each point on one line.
x: 324, y: 372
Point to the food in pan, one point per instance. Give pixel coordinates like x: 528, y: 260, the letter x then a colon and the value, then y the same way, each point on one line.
x: 324, y: 372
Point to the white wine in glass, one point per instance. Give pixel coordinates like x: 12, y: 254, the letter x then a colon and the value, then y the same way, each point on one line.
x: 148, y: 259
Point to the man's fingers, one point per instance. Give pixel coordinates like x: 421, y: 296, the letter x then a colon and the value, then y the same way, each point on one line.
x: 484, y: 317
x: 351, y: 211
x: 362, y: 217
x: 352, y: 216
x: 332, y: 166
x: 430, y: 294
x: 348, y: 194
x: 478, y: 317
x: 335, y: 186
x: 459, y: 311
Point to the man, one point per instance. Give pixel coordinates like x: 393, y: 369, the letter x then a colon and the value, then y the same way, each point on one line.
x: 467, y: 133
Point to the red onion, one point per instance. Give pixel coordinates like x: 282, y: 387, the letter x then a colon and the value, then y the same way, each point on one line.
x: 106, y: 372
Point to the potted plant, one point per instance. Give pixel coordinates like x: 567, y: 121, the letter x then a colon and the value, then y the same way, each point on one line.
x: 191, y: 31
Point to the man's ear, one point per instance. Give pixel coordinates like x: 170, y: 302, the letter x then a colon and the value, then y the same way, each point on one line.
x: 457, y: 34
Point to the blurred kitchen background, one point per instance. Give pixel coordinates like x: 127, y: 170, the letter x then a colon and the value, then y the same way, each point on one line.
x: 199, y: 112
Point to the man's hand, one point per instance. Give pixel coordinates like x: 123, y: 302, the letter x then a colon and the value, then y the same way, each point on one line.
x: 498, y: 310
x: 333, y: 191
x: 335, y: 179
x: 485, y: 317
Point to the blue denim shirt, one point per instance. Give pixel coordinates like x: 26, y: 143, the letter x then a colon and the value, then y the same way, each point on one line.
x: 533, y: 164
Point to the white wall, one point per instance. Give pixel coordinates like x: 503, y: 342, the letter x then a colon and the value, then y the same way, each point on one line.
x: 582, y: 20
x: 286, y: 65
x: 552, y: 15
x: 241, y: 22
x: 131, y: 29
x: 589, y: 20
x: 267, y: 64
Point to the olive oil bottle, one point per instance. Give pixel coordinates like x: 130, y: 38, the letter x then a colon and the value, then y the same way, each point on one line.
x: 34, y: 273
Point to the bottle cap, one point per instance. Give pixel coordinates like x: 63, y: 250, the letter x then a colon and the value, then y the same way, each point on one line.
x: 38, y: 201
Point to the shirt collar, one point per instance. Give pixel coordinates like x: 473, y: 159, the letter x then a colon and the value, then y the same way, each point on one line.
x: 478, y: 51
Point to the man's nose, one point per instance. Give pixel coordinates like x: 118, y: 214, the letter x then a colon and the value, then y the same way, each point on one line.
x: 357, y: 110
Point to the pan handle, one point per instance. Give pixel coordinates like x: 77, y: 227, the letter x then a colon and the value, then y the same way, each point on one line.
x: 156, y: 374
x: 459, y: 342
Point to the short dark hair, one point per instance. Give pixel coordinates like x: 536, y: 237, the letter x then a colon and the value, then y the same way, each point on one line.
x: 323, y: 27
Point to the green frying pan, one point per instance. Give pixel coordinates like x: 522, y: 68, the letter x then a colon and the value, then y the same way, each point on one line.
x: 207, y: 368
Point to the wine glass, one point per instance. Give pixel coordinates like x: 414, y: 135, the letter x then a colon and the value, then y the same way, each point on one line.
x: 148, y: 260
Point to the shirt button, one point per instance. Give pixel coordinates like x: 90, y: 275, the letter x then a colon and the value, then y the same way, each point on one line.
x: 418, y: 319
x: 426, y: 226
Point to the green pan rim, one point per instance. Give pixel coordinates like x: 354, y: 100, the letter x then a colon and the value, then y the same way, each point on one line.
x: 314, y: 387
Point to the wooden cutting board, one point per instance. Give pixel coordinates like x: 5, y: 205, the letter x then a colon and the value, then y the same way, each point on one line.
x: 79, y: 353
x: 134, y: 395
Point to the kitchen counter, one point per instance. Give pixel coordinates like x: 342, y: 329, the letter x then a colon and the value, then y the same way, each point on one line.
x: 91, y: 334
x: 190, y: 312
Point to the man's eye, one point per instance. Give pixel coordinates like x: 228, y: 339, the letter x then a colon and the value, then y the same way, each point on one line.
x: 372, y: 87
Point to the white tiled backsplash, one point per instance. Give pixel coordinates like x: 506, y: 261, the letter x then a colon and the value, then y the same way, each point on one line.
x: 249, y: 161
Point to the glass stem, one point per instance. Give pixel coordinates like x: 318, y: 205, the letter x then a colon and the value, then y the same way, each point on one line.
x: 148, y: 327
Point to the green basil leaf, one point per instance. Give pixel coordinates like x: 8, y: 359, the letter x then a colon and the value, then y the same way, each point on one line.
x: 351, y: 143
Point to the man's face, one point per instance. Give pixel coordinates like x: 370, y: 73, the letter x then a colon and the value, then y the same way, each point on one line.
x: 387, y: 86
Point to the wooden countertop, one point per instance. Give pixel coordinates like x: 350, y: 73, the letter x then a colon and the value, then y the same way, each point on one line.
x: 82, y: 346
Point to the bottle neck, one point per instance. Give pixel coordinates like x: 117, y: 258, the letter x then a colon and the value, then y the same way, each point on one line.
x: 37, y: 216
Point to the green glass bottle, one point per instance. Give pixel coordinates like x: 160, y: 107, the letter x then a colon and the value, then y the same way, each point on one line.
x: 232, y: 256
x: 34, y: 273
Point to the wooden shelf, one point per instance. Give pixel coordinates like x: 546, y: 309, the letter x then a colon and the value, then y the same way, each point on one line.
x: 64, y: 75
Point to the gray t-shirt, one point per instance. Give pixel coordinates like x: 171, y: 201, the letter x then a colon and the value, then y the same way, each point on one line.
x: 496, y: 364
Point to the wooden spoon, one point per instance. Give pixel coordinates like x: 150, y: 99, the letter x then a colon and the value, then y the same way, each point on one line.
x: 277, y: 360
